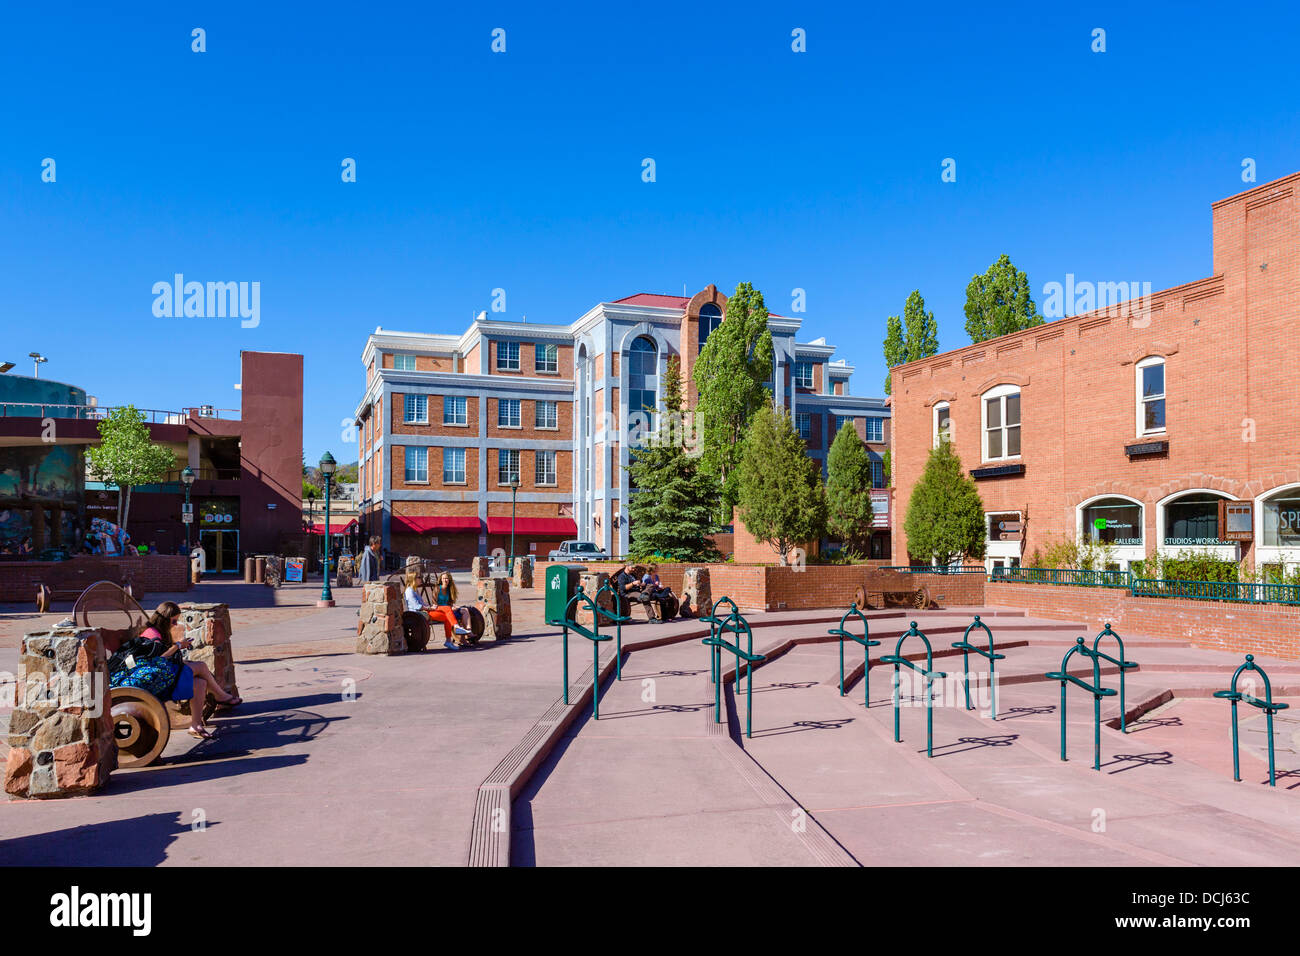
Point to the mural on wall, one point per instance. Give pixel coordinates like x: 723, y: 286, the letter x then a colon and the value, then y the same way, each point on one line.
x: 41, y: 491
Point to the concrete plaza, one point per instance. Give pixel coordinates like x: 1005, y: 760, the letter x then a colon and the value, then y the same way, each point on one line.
x: 452, y: 757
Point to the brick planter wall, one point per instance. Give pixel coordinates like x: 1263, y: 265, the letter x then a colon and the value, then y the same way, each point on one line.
x: 154, y: 573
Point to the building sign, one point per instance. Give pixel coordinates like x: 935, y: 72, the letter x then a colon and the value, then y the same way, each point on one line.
x: 1237, y: 519
x: 880, y: 509
x: 1006, y: 527
x: 219, y: 513
x: 998, y: 471
x: 1146, y: 448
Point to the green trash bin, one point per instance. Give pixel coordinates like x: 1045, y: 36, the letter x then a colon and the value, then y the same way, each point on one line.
x: 561, y: 585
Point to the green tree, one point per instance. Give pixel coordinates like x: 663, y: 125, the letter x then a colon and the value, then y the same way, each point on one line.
x: 779, y: 487
x: 915, y: 336
x: 673, y: 511
x: 945, y: 518
x: 848, y: 490
x: 999, y: 302
x: 126, y: 458
x: 729, y: 377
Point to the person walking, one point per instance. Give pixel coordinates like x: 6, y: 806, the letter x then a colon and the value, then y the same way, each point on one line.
x: 368, y: 566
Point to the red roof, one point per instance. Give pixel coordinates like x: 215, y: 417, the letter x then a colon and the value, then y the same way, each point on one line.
x: 549, y: 527
x: 423, y: 524
x: 667, y: 301
x: 319, y: 527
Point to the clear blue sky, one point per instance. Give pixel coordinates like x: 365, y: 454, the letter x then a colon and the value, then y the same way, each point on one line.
x: 476, y: 170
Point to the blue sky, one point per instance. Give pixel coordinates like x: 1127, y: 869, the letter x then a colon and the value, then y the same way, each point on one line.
x: 817, y: 170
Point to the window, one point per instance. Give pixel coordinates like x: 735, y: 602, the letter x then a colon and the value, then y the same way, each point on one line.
x: 507, y: 465
x: 417, y: 463
x: 1116, y: 521
x: 942, y: 423
x: 803, y: 421
x: 877, y: 473
x: 548, y: 415
x: 508, y: 414
x: 875, y: 429
x: 710, y: 319
x: 545, y: 468
x: 642, y: 382
x: 803, y: 374
x: 455, y: 410
x: 1281, y: 517
x: 1002, y: 423
x: 403, y: 362
x: 416, y: 410
x: 1192, y: 520
x: 547, y: 358
x: 1150, y: 396
x: 508, y: 356
x: 453, y: 466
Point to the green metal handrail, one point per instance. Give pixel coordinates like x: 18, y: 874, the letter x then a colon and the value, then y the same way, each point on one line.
x: 928, y: 673
x: 1095, y: 688
x: 618, y: 620
x: 865, y: 640
x: 1246, y: 592
x: 735, y: 624
x: 1084, y: 577
x: 1267, y: 705
x: 967, y: 648
x: 1123, y: 666
x: 712, y: 619
x: 568, y: 623
x: 936, y: 568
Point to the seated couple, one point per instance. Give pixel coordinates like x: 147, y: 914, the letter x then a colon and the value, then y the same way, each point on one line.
x: 649, y: 590
x: 455, y: 622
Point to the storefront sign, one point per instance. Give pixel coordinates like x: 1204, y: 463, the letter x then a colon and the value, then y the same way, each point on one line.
x: 998, y: 471
x: 292, y: 570
x: 1237, y: 519
x: 1005, y: 527
x: 1146, y: 448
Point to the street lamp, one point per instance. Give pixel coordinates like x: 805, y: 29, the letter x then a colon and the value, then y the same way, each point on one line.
x: 187, y: 479
x: 327, y: 466
x: 514, y: 491
x: 37, y: 358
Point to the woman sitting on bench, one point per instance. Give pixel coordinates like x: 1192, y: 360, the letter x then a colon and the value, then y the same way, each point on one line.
x: 445, y: 598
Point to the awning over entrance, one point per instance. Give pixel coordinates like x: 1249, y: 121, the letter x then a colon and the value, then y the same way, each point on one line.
x: 424, y: 524
x: 319, y: 527
x: 544, y: 527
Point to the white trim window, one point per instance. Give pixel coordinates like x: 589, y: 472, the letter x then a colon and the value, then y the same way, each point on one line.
x: 547, y: 415
x: 1000, y: 419
x: 453, y: 466
x: 507, y: 356
x: 417, y: 464
x: 507, y: 465
x: 875, y: 429
x: 508, y: 413
x: 1150, y: 387
x: 403, y: 362
x: 803, y: 374
x: 547, y: 358
x: 455, y: 410
x: 545, y: 471
x: 942, y: 424
x: 415, y: 409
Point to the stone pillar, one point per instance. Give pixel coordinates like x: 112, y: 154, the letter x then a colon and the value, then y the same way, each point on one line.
x: 208, y: 626
x: 523, y: 577
x: 593, y: 581
x: 481, y: 567
x: 379, y: 629
x: 61, y: 731
x: 494, y: 605
x: 696, y: 589
x: 346, y: 569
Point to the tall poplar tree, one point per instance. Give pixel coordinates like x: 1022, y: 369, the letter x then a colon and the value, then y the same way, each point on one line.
x: 999, y: 302
x: 915, y: 336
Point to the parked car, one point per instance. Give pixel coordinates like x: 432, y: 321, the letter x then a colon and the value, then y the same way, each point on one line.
x: 578, y: 551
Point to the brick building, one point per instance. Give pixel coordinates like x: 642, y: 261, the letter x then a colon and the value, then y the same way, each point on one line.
x: 1157, y: 424
x: 447, y: 420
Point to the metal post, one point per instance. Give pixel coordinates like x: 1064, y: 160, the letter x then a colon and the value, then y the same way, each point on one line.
x: 1236, y: 754
x: 325, y: 594
x: 566, y: 663
x: 514, y: 491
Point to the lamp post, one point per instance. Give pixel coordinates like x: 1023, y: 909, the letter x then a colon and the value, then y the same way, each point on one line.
x: 514, y: 491
x: 327, y: 466
x: 187, y: 479
x: 37, y: 358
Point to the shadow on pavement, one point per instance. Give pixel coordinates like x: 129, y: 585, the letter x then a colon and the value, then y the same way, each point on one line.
x: 135, y: 841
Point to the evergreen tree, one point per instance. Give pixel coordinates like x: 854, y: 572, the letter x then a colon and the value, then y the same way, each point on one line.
x: 779, y: 487
x: 848, y: 490
x: 945, y: 518
x: 915, y: 336
x: 999, y: 302
x: 729, y: 377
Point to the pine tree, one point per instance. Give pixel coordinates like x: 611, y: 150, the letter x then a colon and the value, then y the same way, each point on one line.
x: 779, y: 487
x: 999, y: 302
x: 945, y: 518
x: 915, y: 336
x: 848, y: 490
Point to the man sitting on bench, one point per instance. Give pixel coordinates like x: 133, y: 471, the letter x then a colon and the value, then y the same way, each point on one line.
x: 661, y: 595
x: 629, y: 589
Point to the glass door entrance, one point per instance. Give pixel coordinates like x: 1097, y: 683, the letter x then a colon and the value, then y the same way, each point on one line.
x: 222, y: 549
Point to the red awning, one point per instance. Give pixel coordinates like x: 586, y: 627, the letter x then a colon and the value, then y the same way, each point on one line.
x: 541, y: 527
x: 319, y: 527
x: 424, y: 524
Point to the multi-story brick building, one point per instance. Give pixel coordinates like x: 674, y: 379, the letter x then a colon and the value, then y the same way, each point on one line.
x: 1150, y: 425
x: 448, y: 420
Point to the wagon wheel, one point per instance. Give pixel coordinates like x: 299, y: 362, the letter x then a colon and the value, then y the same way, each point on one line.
x: 141, y: 726
x: 476, y: 624
x: 669, y: 607
x: 860, y: 598
x: 415, y: 627
x: 44, y: 598
x: 922, y: 599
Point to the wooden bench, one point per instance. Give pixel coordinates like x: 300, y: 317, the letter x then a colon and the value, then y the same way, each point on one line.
x: 46, y: 594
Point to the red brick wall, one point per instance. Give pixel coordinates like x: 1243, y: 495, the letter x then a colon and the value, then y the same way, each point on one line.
x: 1268, y: 629
x: 155, y: 573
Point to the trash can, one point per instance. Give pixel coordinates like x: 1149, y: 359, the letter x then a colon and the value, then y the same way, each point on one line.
x: 259, y: 569
x: 561, y: 586
x: 250, y: 565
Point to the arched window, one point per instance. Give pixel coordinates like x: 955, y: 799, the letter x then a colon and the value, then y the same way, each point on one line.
x: 1116, y: 521
x: 1280, y: 519
x: 642, y: 383
x: 1000, y: 419
x: 1150, y: 396
x: 942, y: 423
x: 1192, y: 520
x: 710, y: 319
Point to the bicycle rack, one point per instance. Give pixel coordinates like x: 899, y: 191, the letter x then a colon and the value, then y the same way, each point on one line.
x: 712, y: 619
x: 618, y: 620
x: 865, y: 640
x: 736, y: 624
x: 967, y: 648
x: 1267, y: 705
x: 928, y: 673
x: 1097, y: 691
x: 1123, y: 666
x: 593, y: 635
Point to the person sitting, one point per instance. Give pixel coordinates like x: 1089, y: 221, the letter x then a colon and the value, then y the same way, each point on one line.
x: 445, y: 597
x: 630, y: 589
x: 154, y: 662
